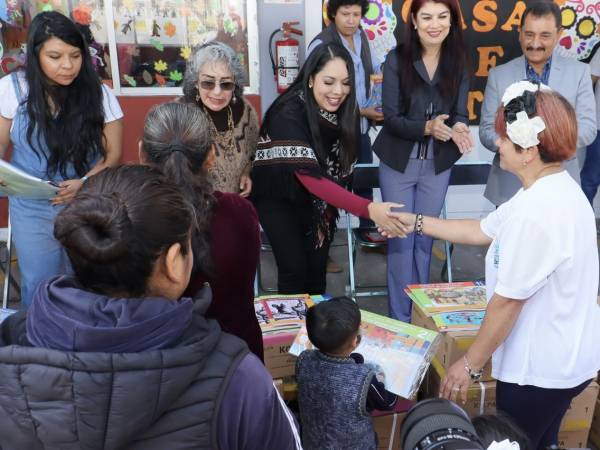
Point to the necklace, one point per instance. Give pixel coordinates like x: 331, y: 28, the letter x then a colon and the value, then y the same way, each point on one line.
x: 224, y: 139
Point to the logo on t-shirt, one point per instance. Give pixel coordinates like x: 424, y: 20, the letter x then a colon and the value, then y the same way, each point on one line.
x: 496, y: 254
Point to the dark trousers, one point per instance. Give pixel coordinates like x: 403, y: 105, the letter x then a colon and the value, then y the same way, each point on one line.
x: 590, y: 174
x: 365, y: 156
x: 536, y: 410
x: 301, y: 268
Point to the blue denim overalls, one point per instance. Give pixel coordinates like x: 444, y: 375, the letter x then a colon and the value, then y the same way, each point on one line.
x: 40, y: 255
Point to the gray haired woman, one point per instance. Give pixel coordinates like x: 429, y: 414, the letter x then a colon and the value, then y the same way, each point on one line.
x: 214, y: 80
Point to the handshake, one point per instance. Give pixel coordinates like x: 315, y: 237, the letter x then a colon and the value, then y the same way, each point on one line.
x: 391, y: 221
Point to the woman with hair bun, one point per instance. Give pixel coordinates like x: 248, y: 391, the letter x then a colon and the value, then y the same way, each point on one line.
x: 226, y: 243
x: 113, y: 357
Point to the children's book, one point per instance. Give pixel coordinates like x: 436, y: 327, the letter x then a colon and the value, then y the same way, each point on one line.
x: 15, y: 182
x: 458, y: 320
x: 281, y: 313
x: 399, y: 353
x: 447, y: 297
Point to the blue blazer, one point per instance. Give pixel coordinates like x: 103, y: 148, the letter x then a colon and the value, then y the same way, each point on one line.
x: 405, y: 116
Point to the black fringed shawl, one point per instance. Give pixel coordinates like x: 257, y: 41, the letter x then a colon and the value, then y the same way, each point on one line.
x: 284, y: 148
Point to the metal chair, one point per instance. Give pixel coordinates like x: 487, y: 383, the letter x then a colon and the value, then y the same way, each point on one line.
x: 365, y: 176
x: 265, y: 246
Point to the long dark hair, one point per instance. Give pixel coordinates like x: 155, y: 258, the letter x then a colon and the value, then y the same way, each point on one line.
x: 347, y: 112
x: 177, y: 140
x: 121, y: 221
x: 453, y: 60
x: 72, y: 128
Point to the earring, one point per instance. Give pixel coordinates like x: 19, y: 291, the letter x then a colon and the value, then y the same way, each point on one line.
x: 310, y: 85
x: 234, y: 99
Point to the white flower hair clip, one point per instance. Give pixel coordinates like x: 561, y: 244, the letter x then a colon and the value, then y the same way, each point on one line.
x: 518, y: 89
x: 524, y: 131
x: 504, y: 445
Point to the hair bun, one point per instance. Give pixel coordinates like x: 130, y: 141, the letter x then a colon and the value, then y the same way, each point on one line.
x: 97, y: 226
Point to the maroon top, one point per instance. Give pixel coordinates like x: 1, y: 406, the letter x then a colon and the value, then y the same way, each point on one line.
x: 234, y: 249
x: 335, y: 195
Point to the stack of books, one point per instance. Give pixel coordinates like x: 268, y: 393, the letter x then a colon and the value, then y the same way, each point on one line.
x: 452, y: 306
x: 281, y: 313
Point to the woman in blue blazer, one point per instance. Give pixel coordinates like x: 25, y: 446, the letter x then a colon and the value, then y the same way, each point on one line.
x: 425, y: 89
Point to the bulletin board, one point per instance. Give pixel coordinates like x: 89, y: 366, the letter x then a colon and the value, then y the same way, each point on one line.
x: 141, y: 47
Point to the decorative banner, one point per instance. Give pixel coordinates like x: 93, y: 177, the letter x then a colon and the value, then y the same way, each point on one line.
x: 490, y: 31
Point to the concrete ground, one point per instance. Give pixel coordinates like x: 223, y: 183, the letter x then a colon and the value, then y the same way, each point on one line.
x: 370, y: 269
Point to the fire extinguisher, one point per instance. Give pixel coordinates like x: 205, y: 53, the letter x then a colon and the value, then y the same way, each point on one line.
x: 286, y: 63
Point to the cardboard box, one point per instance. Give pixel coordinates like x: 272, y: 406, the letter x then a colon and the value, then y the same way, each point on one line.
x: 581, y: 411
x: 278, y: 361
x: 387, y: 428
x: 481, y: 396
x: 453, y: 345
x: 573, y: 439
x: 595, y: 429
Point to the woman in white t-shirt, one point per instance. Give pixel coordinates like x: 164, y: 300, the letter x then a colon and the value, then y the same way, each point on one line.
x: 64, y: 126
x: 542, y: 323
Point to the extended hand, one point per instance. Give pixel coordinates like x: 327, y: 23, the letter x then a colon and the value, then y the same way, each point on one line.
x: 461, y: 135
x: 380, y: 214
x: 456, y: 381
x: 405, y: 220
x: 66, y: 192
x: 245, y: 185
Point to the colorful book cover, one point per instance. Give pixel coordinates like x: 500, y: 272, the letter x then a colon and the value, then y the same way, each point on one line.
x: 447, y: 297
x: 459, y: 320
x: 281, y: 313
x: 399, y: 353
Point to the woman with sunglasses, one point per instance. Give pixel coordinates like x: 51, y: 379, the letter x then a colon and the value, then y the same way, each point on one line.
x: 214, y: 81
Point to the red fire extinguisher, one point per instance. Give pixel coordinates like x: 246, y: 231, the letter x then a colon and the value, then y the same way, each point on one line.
x: 286, y: 63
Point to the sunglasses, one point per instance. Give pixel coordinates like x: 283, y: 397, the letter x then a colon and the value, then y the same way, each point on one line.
x: 209, y: 85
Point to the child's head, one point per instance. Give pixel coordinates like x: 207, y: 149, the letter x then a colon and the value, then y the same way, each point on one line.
x: 498, y: 428
x: 333, y: 325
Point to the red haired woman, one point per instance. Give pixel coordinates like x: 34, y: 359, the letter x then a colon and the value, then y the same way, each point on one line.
x: 542, y: 323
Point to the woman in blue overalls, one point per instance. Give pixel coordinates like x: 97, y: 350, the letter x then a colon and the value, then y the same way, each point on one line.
x: 64, y: 126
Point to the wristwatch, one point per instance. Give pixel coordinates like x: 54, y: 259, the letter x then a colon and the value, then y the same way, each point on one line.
x: 474, y: 374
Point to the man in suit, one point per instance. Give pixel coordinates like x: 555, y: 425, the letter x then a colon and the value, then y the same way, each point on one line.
x: 538, y: 35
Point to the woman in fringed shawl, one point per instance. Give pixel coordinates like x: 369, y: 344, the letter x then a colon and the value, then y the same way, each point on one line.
x: 303, y: 161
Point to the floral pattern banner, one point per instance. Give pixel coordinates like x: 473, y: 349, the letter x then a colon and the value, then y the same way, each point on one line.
x: 581, y: 25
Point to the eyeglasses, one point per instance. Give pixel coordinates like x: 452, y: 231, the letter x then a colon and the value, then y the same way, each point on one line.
x: 209, y: 85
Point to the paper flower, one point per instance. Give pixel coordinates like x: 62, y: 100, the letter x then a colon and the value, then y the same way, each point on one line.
x: 524, y: 131
x: 170, y: 29
x: 516, y: 90
x: 186, y: 52
x: 130, y: 80
x: 160, y: 66
x: 161, y: 80
x: 157, y: 44
x: 175, y: 75
x: 82, y: 14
